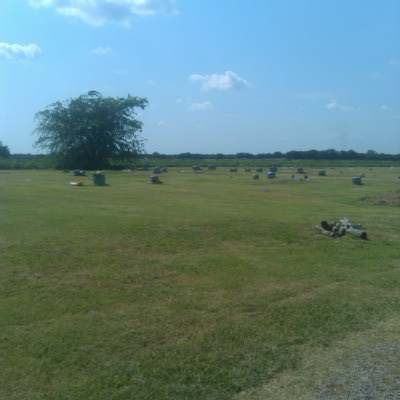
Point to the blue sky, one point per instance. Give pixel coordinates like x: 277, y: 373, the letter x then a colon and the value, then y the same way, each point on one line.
x: 221, y: 76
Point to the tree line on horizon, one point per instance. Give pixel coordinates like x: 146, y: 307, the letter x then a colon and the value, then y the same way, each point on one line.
x: 330, y: 154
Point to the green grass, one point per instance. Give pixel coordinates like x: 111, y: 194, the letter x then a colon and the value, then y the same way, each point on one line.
x: 201, y: 288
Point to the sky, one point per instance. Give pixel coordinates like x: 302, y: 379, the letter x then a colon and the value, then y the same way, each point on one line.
x: 222, y: 76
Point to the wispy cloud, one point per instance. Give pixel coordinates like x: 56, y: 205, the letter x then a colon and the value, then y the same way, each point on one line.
x: 226, y: 81
x: 102, y: 51
x: 200, y: 106
x: 11, y: 51
x: 334, y: 105
x: 100, y: 12
x: 385, y: 107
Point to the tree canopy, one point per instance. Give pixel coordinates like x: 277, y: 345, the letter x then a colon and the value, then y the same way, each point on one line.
x: 4, y: 151
x: 91, y: 130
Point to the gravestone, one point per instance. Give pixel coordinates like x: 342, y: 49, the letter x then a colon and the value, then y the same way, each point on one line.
x: 273, y: 168
x: 155, y: 179
x: 99, y: 179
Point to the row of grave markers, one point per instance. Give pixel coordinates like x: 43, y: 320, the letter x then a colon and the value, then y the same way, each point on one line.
x: 99, y: 178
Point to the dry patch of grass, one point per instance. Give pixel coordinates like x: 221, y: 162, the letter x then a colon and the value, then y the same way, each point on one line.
x: 364, y: 365
x: 386, y: 199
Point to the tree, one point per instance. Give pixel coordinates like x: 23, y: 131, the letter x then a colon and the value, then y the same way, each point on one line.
x: 4, y: 151
x: 91, y: 130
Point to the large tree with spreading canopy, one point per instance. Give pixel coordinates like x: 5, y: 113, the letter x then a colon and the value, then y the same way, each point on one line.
x: 91, y: 131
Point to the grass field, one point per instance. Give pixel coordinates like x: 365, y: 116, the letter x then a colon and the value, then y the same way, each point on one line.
x: 210, y: 286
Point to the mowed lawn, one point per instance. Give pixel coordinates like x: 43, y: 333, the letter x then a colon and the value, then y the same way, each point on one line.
x: 204, y: 287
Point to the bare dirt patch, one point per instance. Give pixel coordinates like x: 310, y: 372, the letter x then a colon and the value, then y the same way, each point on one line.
x: 386, y: 199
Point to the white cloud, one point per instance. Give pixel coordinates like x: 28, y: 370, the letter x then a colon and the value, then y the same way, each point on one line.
x: 385, y: 107
x: 102, y: 51
x: 334, y: 105
x: 100, y: 12
x: 226, y: 81
x: 161, y: 123
x: 20, y: 51
x: 200, y: 106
